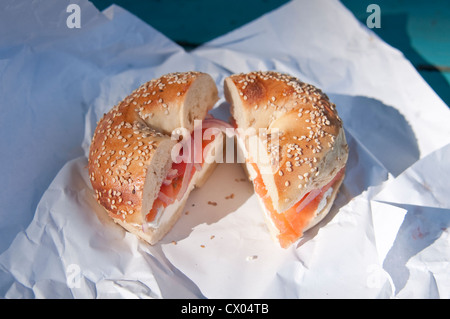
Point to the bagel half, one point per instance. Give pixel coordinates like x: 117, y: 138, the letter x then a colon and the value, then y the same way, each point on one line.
x: 298, y: 162
x: 130, y: 160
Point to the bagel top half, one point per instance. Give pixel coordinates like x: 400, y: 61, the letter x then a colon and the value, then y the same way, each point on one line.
x: 312, y: 147
x: 130, y: 152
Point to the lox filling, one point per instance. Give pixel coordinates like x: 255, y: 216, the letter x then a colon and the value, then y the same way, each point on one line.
x: 291, y: 222
x: 177, y: 181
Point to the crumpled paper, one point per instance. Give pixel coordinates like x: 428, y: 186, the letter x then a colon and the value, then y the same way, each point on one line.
x: 387, y: 234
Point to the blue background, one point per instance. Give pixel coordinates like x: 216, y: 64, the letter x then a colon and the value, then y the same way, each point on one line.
x: 418, y: 28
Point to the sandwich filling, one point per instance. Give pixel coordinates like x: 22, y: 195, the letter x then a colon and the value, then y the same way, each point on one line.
x: 181, y: 177
x: 291, y: 223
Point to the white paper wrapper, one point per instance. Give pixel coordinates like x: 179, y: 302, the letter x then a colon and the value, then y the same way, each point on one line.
x: 386, y: 236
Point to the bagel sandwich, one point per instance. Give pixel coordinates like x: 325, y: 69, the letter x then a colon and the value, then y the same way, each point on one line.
x: 134, y: 162
x: 297, y: 163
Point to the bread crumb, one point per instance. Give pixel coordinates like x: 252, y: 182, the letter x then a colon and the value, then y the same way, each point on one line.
x: 186, y: 213
x: 231, y: 196
x: 174, y: 242
x: 212, y: 203
x: 203, y: 246
x: 212, y: 237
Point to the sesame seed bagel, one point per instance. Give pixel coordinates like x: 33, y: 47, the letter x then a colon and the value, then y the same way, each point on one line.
x: 130, y: 152
x: 310, y: 146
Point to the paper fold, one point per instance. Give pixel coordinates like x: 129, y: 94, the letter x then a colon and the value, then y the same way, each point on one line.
x: 386, y: 236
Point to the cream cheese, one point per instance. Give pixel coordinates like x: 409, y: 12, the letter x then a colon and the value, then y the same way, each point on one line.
x: 242, y: 154
x: 324, y: 200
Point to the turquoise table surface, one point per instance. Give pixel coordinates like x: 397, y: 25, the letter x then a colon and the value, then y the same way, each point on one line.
x: 419, y: 29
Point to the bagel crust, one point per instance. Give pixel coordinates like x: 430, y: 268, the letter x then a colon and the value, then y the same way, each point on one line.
x: 312, y: 147
x: 130, y: 152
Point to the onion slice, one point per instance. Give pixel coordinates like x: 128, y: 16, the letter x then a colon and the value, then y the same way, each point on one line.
x: 213, y: 122
x: 186, y: 180
x: 170, y: 176
x: 220, y: 125
x: 166, y: 199
x: 313, y: 194
x: 307, y: 199
x: 172, y: 173
x: 209, y: 122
